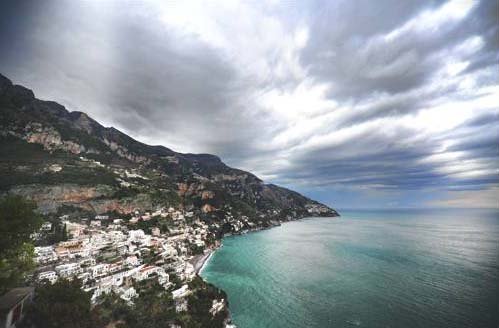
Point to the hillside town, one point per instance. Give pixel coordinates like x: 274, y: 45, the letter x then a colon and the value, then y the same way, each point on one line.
x: 113, y: 254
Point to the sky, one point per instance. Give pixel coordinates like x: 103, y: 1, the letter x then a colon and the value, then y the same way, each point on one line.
x: 372, y: 104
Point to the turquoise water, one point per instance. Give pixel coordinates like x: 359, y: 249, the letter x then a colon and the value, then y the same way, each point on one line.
x: 411, y: 268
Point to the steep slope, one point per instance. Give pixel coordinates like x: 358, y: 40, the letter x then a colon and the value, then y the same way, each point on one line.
x: 66, y: 159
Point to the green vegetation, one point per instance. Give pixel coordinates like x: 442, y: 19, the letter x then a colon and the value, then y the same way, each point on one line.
x: 165, y: 198
x: 62, y: 305
x: 26, y: 163
x: 60, y: 233
x: 18, y: 220
x: 155, y: 307
x: 242, y: 208
x: 200, y: 304
x: 113, y: 309
x: 147, y: 226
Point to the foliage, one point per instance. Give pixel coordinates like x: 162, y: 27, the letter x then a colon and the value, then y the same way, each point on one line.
x: 63, y: 304
x: 18, y: 220
x: 200, y: 304
x: 147, y: 225
x: 153, y: 308
x: 161, y: 197
x: 61, y: 233
x: 175, y: 280
x: 196, y: 250
x: 112, y: 308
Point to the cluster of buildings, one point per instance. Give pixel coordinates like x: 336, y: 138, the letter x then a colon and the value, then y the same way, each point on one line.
x: 113, y: 255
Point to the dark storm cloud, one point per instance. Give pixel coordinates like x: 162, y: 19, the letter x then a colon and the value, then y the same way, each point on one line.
x: 373, y: 96
x: 361, y: 57
x: 124, y: 67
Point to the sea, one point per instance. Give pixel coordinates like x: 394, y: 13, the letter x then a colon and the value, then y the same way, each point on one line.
x: 367, y: 268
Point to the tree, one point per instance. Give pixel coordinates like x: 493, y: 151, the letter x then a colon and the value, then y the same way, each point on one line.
x: 65, y: 233
x: 18, y: 220
x: 113, y: 309
x: 153, y: 308
x: 63, y: 304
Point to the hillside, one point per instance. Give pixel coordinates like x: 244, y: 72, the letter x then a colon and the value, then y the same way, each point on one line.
x: 67, y: 161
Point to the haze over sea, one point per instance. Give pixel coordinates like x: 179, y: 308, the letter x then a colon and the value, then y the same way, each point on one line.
x: 370, y: 268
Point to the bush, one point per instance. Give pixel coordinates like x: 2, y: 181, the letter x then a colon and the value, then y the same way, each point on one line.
x: 63, y: 304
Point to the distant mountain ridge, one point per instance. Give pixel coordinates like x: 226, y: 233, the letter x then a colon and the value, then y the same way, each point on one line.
x: 65, y: 159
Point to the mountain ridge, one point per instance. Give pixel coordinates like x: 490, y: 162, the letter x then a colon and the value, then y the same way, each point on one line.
x: 82, y: 164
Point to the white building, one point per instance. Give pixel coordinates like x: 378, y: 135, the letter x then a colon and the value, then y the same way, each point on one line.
x: 149, y: 272
x: 68, y: 270
x: 46, y: 226
x: 169, y: 251
x: 136, y: 236
x: 95, y: 223
x: 132, y: 261
x: 181, y: 292
x: 45, y: 255
x: 50, y: 276
x: 128, y: 294
x: 217, y: 306
x: 99, y: 270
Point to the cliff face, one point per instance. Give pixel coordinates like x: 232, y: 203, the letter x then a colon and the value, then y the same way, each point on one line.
x: 58, y: 158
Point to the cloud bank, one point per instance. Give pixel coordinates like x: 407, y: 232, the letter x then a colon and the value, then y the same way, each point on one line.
x: 356, y: 103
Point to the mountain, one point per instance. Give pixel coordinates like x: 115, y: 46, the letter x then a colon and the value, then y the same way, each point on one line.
x: 67, y: 161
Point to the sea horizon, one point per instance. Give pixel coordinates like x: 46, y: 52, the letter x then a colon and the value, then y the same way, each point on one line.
x: 280, y: 164
x: 244, y: 268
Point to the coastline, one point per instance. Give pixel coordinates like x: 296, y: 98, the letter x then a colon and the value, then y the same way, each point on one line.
x: 205, y: 262
x: 200, y: 261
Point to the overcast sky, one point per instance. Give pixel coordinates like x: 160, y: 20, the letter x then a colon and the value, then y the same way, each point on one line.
x: 354, y: 103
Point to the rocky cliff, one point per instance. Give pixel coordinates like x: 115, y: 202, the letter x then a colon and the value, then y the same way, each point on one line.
x: 61, y: 158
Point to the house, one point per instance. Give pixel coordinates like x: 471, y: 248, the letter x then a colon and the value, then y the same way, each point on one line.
x: 181, y: 305
x: 87, y: 262
x: 98, y: 270
x: 118, y: 278
x: 50, y: 276
x: 84, y: 277
x: 217, y: 306
x: 46, y: 226
x: 71, y: 249
x: 115, y: 236
x: 68, y: 270
x: 74, y: 229
x: 169, y: 251
x: 136, y: 235
x: 128, y: 294
x: 45, y: 255
x: 132, y: 261
x: 13, y: 304
x: 95, y: 223
x: 189, y: 272
x: 181, y: 292
x: 99, y: 291
x: 116, y: 266
x: 150, y: 272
